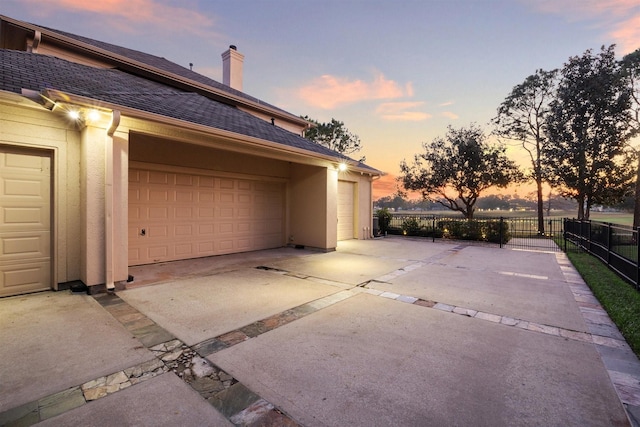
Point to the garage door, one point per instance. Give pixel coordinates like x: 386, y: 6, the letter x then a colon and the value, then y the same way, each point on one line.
x: 25, y: 221
x: 345, y: 210
x: 175, y: 216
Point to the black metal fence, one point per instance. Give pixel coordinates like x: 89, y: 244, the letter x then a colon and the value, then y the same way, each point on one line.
x: 511, y: 232
x: 616, y: 245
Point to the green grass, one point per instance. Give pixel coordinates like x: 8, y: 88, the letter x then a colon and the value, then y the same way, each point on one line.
x: 619, y: 299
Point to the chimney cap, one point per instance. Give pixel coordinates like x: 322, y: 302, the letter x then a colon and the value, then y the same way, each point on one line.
x: 233, y: 46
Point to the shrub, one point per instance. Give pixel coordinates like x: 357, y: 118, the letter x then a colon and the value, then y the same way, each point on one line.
x: 493, y: 229
x: 411, y: 227
x: 384, y: 219
x: 480, y: 230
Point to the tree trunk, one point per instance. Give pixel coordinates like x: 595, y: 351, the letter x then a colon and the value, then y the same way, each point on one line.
x: 636, y: 203
x: 540, y: 208
x: 580, y: 208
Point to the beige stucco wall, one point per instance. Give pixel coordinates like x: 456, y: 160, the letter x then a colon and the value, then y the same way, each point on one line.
x: 313, y: 215
x: 144, y: 148
x: 24, y: 124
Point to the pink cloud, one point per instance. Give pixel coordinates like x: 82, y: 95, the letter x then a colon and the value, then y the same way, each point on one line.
x: 126, y: 15
x: 627, y: 34
x: 449, y: 115
x: 619, y: 18
x: 402, y: 111
x: 330, y: 91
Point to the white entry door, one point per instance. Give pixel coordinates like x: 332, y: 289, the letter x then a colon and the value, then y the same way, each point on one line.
x: 25, y: 221
x: 345, y: 210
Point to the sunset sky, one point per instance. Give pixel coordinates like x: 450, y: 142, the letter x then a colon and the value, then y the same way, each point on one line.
x: 397, y: 73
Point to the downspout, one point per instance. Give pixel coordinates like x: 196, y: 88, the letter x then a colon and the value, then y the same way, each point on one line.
x: 108, y: 200
x: 373, y: 178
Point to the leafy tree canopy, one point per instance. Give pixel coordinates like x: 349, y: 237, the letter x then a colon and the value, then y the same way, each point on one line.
x: 333, y: 135
x: 588, y: 129
x: 456, y: 169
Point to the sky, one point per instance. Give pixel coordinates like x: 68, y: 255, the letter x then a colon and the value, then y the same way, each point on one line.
x: 396, y: 72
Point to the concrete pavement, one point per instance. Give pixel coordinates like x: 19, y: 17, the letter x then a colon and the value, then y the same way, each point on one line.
x: 382, y: 332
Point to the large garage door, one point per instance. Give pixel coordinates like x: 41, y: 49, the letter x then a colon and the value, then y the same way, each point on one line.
x: 25, y: 221
x: 345, y: 210
x: 176, y: 216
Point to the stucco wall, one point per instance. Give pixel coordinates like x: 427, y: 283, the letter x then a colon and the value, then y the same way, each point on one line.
x: 147, y: 149
x: 25, y: 126
x: 310, y: 208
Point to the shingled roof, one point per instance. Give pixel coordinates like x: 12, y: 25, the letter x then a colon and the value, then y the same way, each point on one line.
x: 22, y: 70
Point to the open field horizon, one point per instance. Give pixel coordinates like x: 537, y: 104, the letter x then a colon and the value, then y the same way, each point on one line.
x: 621, y: 218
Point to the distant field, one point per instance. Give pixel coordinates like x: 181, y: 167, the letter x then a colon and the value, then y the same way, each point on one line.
x: 622, y: 218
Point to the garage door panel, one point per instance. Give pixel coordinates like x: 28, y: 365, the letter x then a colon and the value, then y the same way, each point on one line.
x: 227, y: 197
x: 206, y: 213
x: 206, y: 229
x: 24, y: 277
x: 24, y: 245
x: 202, y: 216
x: 206, y: 196
x: 185, y: 196
x: 156, y: 195
x: 153, y: 177
x: 228, y: 184
x: 24, y: 217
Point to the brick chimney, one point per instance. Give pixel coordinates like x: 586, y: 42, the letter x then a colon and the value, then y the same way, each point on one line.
x: 232, y: 68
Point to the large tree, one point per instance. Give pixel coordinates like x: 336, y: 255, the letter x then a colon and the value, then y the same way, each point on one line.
x: 333, y: 135
x: 521, y: 117
x: 631, y: 68
x: 588, y: 129
x: 456, y: 169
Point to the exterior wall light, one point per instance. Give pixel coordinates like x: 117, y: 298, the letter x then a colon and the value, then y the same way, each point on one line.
x: 93, y: 115
x: 74, y: 114
x: 342, y: 167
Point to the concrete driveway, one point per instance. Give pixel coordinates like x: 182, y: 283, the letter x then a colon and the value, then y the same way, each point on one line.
x: 381, y: 332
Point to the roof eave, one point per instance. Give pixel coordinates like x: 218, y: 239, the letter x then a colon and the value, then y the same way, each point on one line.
x: 58, y: 97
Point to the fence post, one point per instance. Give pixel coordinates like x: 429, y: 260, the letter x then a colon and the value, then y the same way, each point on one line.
x: 637, y: 258
x: 500, y: 225
x: 609, y: 232
x: 564, y: 233
x: 433, y: 228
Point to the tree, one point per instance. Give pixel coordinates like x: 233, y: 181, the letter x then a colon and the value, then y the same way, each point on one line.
x: 333, y: 135
x: 588, y: 130
x: 631, y: 69
x: 522, y: 116
x: 455, y: 170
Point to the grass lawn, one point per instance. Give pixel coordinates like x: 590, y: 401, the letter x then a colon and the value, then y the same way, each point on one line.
x: 619, y: 299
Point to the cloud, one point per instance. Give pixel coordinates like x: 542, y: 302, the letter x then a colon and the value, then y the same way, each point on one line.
x: 329, y: 91
x: 621, y: 18
x: 129, y: 15
x: 446, y: 104
x: 628, y: 35
x: 449, y: 115
x: 402, y: 111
